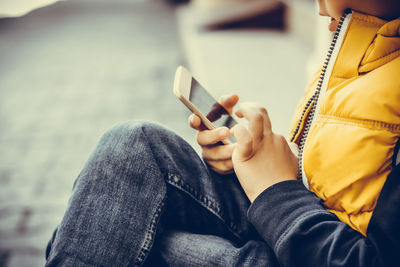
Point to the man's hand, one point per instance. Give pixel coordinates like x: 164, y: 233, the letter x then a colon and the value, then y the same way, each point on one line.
x: 260, y: 157
x: 217, y: 156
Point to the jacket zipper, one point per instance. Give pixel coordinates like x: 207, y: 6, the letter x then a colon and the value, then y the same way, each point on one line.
x: 315, y: 98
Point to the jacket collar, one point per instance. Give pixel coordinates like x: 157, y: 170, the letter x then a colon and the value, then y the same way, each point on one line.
x: 385, y: 47
x: 370, y: 42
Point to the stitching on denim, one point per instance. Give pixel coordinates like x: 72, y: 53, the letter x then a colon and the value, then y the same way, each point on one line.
x: 149, y: 236
x: 197, y: 197
x: 294, y: 224
x: 203, y: 200
x: 207, y: 202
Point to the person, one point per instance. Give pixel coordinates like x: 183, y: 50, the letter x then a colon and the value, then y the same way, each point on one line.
x: 145, y: 198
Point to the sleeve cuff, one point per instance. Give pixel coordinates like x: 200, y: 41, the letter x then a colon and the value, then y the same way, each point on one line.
x: 275, y: 210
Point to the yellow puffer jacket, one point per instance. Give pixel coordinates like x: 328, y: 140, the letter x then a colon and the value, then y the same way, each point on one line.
x: 349, y: 149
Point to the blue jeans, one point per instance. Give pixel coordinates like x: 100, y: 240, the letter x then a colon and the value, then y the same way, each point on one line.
x: 146, y: 198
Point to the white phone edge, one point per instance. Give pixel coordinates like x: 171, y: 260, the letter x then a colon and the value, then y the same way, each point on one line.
x: 182, y: 81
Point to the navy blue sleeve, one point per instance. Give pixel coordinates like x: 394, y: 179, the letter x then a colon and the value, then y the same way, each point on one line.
x: 296, y: 225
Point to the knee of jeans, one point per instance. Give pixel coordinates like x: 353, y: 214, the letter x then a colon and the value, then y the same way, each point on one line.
x: 127, y: 133
x: 138, y: 140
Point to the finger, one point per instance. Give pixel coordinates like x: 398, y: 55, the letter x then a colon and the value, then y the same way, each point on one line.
x: 254, y: 108
x: 211, y: 137
x: 244, y: 145
x: 256, y: 118
x: 218, y: 153
x: 196, y: 123
x: 223, y: 167
x: 229, y: 101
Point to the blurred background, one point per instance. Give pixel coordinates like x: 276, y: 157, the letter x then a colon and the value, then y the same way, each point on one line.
x: 69, y: 70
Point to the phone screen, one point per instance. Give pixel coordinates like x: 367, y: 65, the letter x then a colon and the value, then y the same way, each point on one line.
x: 210, y: 107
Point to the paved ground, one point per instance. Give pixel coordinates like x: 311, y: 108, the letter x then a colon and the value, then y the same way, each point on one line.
x: 68, y: 72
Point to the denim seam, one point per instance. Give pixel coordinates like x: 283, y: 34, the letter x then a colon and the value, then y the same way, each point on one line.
x: 196, y: 196
x: 149, y: 236
x: 203, y: 201
x: 294, y: 224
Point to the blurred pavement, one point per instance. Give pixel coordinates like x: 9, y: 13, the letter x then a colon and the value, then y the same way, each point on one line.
x: 69, y: 72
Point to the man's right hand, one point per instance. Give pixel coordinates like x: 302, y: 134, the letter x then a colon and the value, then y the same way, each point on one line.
x: 218, y: 157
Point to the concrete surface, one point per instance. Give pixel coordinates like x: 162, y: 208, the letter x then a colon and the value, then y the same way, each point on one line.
x: 68, y: 72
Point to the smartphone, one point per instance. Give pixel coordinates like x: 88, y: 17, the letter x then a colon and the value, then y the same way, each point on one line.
x: 194, y: 96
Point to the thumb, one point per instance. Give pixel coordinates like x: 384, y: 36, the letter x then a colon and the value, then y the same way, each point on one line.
x: 244, y: 145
